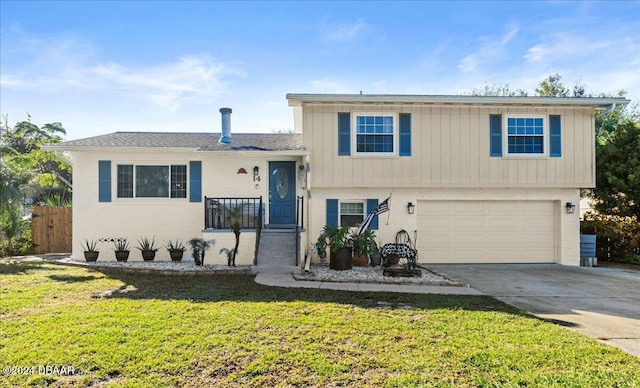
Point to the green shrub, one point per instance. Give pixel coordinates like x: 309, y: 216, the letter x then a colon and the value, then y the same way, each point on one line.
x: 15, y: 233
x: 618, y: 238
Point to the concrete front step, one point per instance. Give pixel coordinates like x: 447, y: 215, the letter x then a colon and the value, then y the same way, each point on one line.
x: 277, y: 247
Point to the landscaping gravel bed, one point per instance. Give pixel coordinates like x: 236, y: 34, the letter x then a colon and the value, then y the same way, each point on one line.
x: 186, y: 267
x: 372, y: 275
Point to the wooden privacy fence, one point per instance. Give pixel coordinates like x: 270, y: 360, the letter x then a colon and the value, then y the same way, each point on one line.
x: 51, y: 229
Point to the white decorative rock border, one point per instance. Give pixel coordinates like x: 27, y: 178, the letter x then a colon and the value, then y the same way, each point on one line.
x: 372, y: 275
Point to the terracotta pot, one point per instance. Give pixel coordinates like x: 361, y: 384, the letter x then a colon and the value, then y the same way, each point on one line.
x: 360, y: 260
x: 148, y: 255
x: 122, y: 255
x: 393, y: 260
x: 91, y: 256
x: 340, y: 259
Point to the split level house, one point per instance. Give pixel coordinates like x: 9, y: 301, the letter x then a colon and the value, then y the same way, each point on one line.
x: 472, y: 179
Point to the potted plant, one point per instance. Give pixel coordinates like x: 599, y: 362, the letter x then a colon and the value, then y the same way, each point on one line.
x: 363, y: 244
x: 90, y: 252
x: 176, y: 250
x: 147, y: 248
x: 339, y: 247
x: 122, y: 249
x: 198, y: 248
x: 375, y: 256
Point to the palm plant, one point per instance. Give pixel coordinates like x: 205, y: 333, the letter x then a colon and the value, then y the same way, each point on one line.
x: 198, y: 248
x: 229, y: 253
x: 236, y: 225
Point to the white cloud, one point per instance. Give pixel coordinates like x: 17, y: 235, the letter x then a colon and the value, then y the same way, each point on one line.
x: 193, y: 79
x: 343, y: 31
x: 561, y: 46
x: 492, y: 49
x: 53, y: 65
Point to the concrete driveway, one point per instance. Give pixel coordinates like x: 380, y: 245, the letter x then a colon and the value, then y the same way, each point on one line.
x: 601, y: 302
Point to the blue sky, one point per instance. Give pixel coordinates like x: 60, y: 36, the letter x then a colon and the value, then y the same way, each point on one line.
x: 100, y: 67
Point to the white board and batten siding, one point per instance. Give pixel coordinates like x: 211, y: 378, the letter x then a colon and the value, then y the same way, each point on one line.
x: 450, y: 148
x: 456, y: 232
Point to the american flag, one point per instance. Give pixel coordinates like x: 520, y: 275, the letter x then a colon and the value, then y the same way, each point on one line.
x: 381, y: 208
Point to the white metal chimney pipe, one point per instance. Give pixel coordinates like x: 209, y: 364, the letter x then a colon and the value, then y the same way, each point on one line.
x: 226, y: 126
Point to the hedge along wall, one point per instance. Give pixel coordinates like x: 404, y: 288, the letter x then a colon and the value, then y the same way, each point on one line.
x: 618, y: 238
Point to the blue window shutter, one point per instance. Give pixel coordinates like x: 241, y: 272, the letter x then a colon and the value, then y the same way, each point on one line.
x: 195, y: 181
x: 332, y: 212
x: 495, y: 128
x: 555, y: 137
x: 104, y: 181
x: 371, y: 205
x: 344, y: 133
x: 405, y: 134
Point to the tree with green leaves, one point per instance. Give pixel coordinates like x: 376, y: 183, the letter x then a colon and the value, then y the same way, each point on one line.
x: 552, y: 87
x: 498, y: 90
x: 618, y: 172
x: 21, y: 147
x: 26, y: 171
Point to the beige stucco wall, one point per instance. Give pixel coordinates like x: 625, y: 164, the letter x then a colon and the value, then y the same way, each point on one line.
x: 166, y: 219
x: 567, y: 225
x: 450, y: 148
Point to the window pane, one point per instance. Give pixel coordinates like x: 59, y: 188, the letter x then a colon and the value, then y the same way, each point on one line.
x: 525, y: 144
x: 179, y: 181
x: 351, y: 213
x: 125, y: 181
x: 351, y: 208
x: 350, y: 221
x: 152, y: 181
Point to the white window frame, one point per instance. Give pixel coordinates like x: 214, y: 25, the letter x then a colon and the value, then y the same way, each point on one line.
x: 149, y: 164
x: 364, y: 210
x: 354, y: 134
x: 545, y: 135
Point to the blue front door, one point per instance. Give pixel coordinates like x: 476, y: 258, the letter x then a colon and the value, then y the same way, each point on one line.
x: 282, y: 193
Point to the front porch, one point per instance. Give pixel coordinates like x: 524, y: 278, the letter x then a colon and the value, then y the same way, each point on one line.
x: 261, y: 244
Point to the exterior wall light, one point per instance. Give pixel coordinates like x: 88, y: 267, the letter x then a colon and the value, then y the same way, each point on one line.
x: 571, y: 207
x: 411, y: 208
x: 256, y: 174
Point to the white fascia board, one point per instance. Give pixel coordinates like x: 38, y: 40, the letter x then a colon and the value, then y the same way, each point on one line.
x: 299, y: 99
x: 53, y: 147
x: 272, y: 153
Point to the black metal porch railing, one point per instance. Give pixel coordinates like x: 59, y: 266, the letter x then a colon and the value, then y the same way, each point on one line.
x: 218, y: 212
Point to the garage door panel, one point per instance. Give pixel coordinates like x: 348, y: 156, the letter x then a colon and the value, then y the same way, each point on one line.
x: 487, y: 231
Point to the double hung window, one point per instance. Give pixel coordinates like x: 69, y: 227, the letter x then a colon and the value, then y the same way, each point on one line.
x: 147, y: 181
x: 351, y: 213
x: 525, y: 135
x: 375, y: 134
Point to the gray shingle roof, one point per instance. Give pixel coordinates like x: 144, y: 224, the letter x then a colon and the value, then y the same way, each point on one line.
x: 199, y: 141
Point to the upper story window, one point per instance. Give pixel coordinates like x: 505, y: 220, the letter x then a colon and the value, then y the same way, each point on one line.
x: 351, y: 213
x: 375, y: 134
x: 143, y: 181
x: 526, y: 135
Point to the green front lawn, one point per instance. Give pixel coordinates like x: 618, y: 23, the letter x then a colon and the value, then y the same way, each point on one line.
x: 150, y: 330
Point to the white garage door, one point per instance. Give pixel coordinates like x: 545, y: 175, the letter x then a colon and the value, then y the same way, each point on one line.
x: 486, y: 231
